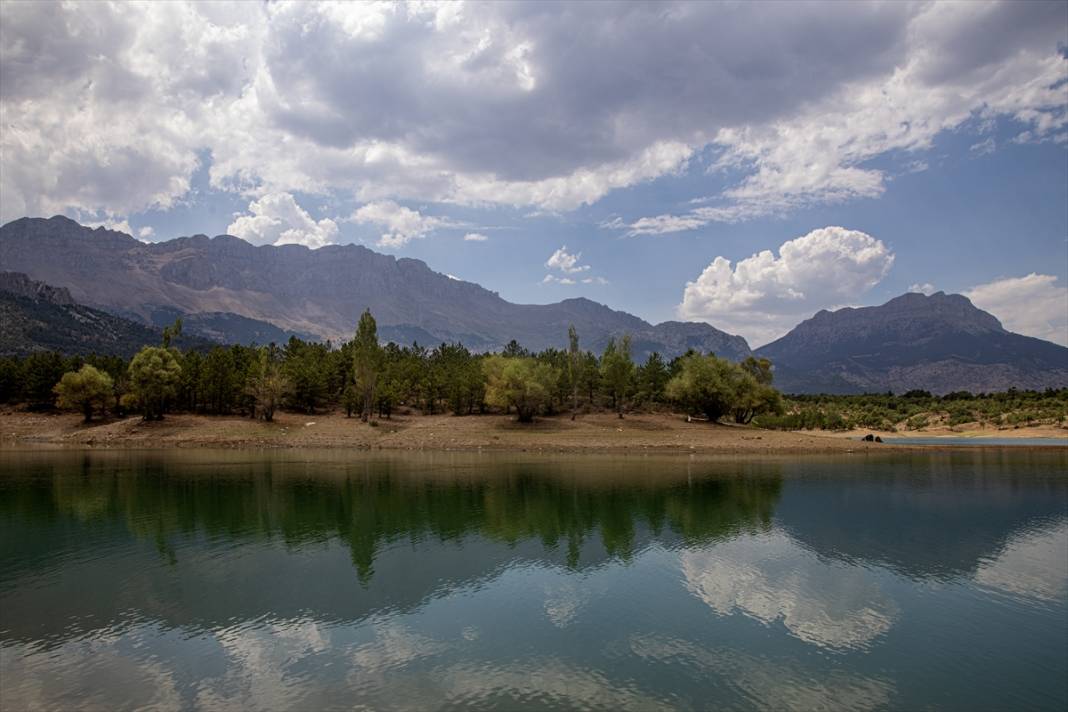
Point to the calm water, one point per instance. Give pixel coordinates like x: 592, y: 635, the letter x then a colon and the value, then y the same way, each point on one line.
x: 981, y: 442
x: 311, y: 581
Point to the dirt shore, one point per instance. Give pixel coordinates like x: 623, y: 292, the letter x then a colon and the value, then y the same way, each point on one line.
x: 597, y: 433
x: 971, y: 431
x: 589, y: 433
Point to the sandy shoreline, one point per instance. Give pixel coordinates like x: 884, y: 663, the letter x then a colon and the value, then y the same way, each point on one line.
x: 975, y: 432
x: 589, y: 433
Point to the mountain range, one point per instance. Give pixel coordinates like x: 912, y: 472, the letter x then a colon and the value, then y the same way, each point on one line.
x: 230, y: 291
x: 315, y: 292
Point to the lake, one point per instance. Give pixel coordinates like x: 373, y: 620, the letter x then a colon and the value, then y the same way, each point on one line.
x: 318, y: 580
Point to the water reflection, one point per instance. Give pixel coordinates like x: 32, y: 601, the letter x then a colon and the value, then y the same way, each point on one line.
x: 1033, y: 563
x: 288, y: 580
x: 771, y: 578
x: 764, y: 683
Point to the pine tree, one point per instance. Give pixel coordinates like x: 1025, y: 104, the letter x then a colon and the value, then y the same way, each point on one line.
x: 367, y: 357
x: 574, y: 366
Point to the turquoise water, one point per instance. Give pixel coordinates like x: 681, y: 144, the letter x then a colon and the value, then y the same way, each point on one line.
x: 452, y: 581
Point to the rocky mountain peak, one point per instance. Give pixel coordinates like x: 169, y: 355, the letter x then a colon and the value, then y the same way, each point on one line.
x: 20, y: 285
x: 938, y: 342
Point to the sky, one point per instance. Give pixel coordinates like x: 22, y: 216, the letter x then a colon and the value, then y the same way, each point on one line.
x: 744, y: 164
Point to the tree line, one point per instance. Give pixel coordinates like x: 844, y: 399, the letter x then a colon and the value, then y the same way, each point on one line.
x: 918, y: 409
x: 370, y: 380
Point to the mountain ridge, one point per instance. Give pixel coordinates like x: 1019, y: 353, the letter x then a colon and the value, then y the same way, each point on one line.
x: 939, y: 343
x: 35, y: 316
x: 320, y: 292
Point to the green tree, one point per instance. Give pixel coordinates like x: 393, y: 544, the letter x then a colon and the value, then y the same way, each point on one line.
x: 617, y: 370
x: 591, y: 376
x: 704, y: 384
x: 220, y: 380
x: 513, y: 350
x: 171, y: 332
x: 574, y: 366
x: 753, y: 398
x: 266, y: 383
x: 652, y: 378
x: 758, y: 368
x: 40, y: 372
x: 367, y: 357
x: 350, y: 399
x: 307, y: 370
x: 189, y: 386
x: 518, y: 382
x: 10, y: 379
x: 154, y: 375
x: 84, y: 390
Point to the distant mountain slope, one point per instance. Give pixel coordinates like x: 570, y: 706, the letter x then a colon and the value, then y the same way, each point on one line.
x: 939, y: 343
x: 225, y: 327
x: 320, y: 292
x: 38, y: 317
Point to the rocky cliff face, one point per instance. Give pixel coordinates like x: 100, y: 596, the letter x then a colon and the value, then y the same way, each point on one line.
x: 320, y: 292
x: 939, y: 343
x: 19, y: 285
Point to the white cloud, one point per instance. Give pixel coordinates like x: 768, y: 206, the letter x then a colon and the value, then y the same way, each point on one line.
x: 1033, y: 305
x: 401, y: 224
x: 111, y: 224
x: 925, y: 288
x: 146, y: 232
x: 566, y: 262
x: 661, y: 224
x: 765, y: 295
x: 108, y: 109
x: 475, y: 237
x: 277, y: 219
x: 571, y: 268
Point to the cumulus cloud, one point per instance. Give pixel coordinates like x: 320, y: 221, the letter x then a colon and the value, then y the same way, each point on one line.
x: 565, y: 261
x: 1034, y: 305
x: 763, y: 296
x: 277, y: 219
x: 401, y: 224
x: 572, y: 271
x: 924, y: 288
x: 146, y: 232
x: 107, y: 108
x: 475, y: 237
